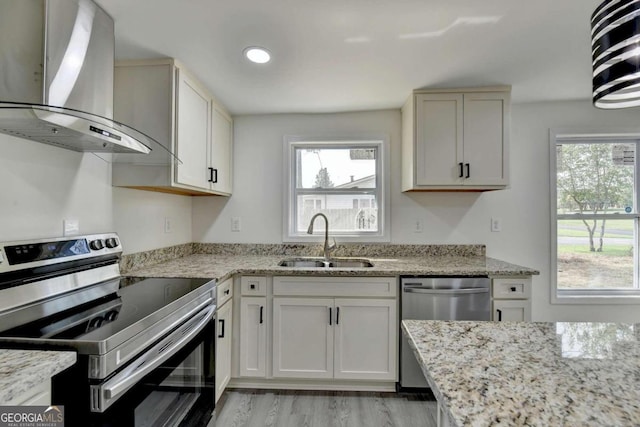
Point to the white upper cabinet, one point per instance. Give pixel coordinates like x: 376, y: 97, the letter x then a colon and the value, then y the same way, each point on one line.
x: 456, y: 139
x: 162, y: 99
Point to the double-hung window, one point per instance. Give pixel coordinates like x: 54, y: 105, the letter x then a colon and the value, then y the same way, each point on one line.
x: 595, y: 217
x: 344, y: 179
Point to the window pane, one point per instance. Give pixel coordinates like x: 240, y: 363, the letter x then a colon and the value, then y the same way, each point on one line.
x: 336, y: 168
x: 596, y: 254
x: 345, y: 216
x: 595, y: 178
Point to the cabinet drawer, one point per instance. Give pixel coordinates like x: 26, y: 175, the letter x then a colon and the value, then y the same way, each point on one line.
x: 512, y: 288
x: 335, y: 286
x: 224, y: 292
x: 253, y: 285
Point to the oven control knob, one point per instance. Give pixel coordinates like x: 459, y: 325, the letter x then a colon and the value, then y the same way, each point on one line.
x: 96, y: 245
x: 111, y: 242
x: 96, y: 322
x: 111, y: 315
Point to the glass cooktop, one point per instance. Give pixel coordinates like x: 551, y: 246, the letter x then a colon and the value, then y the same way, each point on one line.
x: 134, y: 300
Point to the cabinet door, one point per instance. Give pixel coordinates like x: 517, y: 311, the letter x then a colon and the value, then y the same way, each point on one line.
x: 366, y: 339
x: 303, y: 337
x: 512, y: 310
x: 486, y: 130
x: 439, y: 133
x: 253, y: 343
x: 192, y: 132
x: 223, y: 348
x: 221, y: 150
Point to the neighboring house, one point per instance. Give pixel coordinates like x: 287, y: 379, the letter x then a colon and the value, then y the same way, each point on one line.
x: 346, y: 211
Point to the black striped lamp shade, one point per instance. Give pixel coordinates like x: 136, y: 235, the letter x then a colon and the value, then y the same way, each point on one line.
x: 615, y: 43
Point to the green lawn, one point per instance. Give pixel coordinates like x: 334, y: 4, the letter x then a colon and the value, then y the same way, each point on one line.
x: 569, y: 232
x: 607, y: 250
x: 615, y: 224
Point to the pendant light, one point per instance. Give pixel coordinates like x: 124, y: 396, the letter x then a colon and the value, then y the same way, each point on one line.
x: 615, y: 43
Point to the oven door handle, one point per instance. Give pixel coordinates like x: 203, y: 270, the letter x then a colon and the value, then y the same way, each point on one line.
x: 461, y: 291
x: 141, y: 366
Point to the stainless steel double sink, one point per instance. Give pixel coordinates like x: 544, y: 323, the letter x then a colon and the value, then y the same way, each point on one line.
x: 321, y: 263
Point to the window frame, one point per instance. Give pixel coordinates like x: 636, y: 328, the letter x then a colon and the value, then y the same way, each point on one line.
x: 592, y: 296
x: 381, y: 143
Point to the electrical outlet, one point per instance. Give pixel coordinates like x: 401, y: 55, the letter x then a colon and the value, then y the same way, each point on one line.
x: 496, y: 224
x: 236, y: 224
x: 168, y: 225
x: 70, y: 227
x: 417, y: 226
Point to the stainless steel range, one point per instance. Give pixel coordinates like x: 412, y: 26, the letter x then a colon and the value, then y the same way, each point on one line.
x: 145, y: 346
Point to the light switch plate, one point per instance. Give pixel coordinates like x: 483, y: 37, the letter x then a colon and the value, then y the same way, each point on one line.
x: 496, y: 224
x: 236, y: 223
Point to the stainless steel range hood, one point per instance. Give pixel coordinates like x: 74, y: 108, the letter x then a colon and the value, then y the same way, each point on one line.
x: 56, y: 77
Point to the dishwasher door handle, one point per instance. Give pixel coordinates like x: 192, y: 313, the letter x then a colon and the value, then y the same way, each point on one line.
x: 462, y: 291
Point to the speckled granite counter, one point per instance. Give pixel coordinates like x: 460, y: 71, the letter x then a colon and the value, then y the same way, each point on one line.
x: 222, y: 266
x: 21, y: 370
x: 541, y: 374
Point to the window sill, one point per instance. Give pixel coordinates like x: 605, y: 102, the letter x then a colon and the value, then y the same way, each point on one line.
x: 596, y: 299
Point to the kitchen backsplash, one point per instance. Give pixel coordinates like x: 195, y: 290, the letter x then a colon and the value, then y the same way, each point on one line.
x: 374, y: 250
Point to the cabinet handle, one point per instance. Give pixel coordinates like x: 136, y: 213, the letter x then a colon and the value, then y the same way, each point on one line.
x: 226, y: 292
x: 221, y: 328
x: 252, y: 286
x: 468, y: 170
x: 330, y: 316
x: 513, y: 289
x: 337, y: 315
x: 461, y: 169
x: 499, y: 315
x: 261, y: 310
x: 213, y: 175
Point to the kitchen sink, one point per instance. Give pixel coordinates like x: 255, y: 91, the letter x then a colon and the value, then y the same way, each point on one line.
x: 332, y: 263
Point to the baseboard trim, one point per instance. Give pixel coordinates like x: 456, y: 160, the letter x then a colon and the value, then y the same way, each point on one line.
x: 382, y: 386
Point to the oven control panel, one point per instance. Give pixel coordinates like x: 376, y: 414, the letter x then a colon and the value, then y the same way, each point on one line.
x: 25, y: 254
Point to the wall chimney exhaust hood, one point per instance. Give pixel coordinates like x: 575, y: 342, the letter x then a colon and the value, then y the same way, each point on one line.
x: 56, y: 77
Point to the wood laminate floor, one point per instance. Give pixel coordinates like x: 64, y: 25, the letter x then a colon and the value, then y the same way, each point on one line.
x: 287, y: 408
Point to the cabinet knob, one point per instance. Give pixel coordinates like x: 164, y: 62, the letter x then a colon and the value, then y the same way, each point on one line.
x: 252, y: 286
x: 513, y: 289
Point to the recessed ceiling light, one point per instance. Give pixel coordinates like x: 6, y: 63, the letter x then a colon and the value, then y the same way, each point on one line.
x: 258, y: 55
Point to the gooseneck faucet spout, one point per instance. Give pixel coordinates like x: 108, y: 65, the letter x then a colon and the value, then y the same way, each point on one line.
x: 327, y: 247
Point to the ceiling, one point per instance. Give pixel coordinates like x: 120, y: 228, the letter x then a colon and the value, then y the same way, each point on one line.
x: 353, y: 55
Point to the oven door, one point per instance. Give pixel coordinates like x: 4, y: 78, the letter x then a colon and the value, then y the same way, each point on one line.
x: 171, y: 384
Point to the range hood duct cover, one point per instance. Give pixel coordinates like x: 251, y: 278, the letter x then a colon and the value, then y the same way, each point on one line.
x: 56, y: 77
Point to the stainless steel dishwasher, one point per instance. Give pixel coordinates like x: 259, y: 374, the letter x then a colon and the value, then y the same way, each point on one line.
x: 438, y: 298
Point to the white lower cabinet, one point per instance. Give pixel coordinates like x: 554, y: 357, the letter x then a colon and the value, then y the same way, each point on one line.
x: 223, y: 347
x: 253, y: 337
x: 335, y: 338
x: 302, y: 337
x: 511, y: 310
x: 365, y: 339
x: 511, y: 299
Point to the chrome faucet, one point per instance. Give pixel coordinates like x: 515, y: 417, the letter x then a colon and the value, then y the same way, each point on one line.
x: 327, y: 247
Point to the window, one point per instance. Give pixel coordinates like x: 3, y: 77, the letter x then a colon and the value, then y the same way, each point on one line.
x: 595, y: 216
x: 342, y: 179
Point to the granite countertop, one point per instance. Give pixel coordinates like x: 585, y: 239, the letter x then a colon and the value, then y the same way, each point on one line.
x: 542, y: 374
x: 21, y: 370
x: 223, y: 266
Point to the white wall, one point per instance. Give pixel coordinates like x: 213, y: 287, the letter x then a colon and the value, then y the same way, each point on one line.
x: 41, y: 185
x: 139, y: 217
x: 448, y: 217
